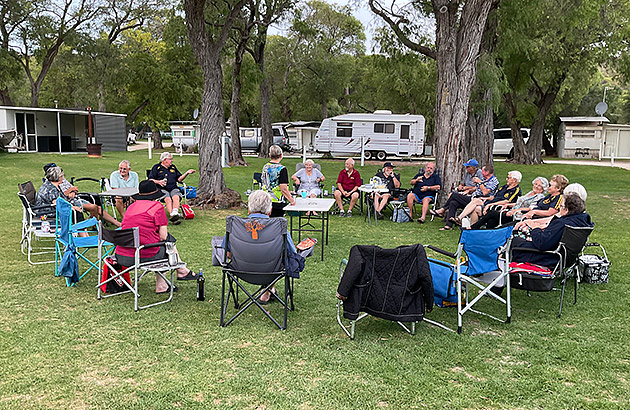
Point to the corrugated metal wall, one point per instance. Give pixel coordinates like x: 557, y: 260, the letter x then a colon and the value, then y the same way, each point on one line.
x: 110, y: 131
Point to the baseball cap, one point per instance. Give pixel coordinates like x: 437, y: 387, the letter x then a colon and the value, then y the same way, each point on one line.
x: 471, y: 163
x: 388, y: 164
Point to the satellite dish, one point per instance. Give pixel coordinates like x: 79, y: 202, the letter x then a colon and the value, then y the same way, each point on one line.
x: 601, y: 108
x: 196, y: 113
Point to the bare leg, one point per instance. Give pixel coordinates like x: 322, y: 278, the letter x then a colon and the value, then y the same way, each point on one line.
x: 426, y: 203
x: 353, y: 200
x: 176, y: 200
x: 120, y: 206
x: 168, y: 202
x: 411, y: 198
x: 338, y: 200
x: 470, y: 208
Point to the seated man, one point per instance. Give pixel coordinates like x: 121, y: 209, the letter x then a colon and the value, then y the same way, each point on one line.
x: 484, y: 188
x: 424, y: 187
x: 467, y: 186
x: 259, y: 207
x: 508, y: 193
x: 348, y: 183
x: 391, y: 181
x: 166, y: 175
x: 123, y: 178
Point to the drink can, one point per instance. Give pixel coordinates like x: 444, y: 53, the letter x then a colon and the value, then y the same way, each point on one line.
x: 45, y: 226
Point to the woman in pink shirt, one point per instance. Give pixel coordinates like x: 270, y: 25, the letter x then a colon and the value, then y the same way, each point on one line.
x: 149, y: 215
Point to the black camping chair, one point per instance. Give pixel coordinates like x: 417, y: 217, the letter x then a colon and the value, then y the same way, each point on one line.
x: 573, y: 241
x: 257, y: 255
x: 87, y: 188
x: 392, y: 284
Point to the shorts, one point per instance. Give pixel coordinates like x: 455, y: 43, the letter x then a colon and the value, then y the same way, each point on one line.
x: 314, y: 191
x: 173, y: 192
x: 430, y: 196
x: 130, y: 260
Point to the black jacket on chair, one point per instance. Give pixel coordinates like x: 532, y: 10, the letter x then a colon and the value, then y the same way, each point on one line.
x: 392, y: 284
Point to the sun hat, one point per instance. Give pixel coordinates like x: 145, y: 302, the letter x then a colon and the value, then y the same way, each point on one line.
x: 148, y: 191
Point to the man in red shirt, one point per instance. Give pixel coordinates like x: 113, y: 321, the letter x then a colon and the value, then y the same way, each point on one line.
x: 348, y: 183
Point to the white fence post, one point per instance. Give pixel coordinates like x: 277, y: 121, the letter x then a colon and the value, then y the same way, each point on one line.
x: 362, y: 150
x: 150, y: 144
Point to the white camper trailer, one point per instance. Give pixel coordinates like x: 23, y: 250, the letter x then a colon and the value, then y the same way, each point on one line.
x: 382, y: 132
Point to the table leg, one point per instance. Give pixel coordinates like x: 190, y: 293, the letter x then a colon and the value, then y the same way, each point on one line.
x: 323, y: 225
x: 327, y: 225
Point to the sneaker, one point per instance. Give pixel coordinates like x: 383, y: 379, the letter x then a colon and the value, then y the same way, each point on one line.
x: 349, y: 214
x: 342, y: 213
x: 175, y: 218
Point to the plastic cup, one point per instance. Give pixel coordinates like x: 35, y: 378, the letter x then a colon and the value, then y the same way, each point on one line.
x: 303, y: 193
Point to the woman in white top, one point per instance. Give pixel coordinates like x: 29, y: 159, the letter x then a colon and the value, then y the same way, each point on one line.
x: 308, y: 179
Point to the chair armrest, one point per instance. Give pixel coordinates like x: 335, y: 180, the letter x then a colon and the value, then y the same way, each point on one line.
x: 442, y: 251
x: 154, y: 245
x: 84, y: 224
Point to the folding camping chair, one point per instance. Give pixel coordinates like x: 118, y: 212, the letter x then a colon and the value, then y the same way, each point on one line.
x: 573, y: 241
x: 257, y: 181
x: 66, y: 241
x: 482, y: 261
x: 130, y: 238
x: 90, y: 194
x: 181, y: 185
x: 257, y: 250
x: 299, y: 166
x: 381, y: 286
x: 32, y: 231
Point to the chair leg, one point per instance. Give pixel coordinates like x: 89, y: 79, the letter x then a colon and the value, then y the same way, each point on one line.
x: 564, y: 285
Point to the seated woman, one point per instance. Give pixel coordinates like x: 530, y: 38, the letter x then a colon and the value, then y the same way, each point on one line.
x: 507, y: 194
x: 491, y: 217
x: 572, y: 213
x: 550, y: 204
x: 308, y: 179
x: 391, y: 182
x: 51, y: 190
x: 149, y: 215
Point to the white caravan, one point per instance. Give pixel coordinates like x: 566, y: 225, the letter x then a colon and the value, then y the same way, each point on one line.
x: 383, y: 134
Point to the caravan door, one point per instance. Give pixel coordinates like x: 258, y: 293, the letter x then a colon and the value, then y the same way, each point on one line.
x: 403, y: 141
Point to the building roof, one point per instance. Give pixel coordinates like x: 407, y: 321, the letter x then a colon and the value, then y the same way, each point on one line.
x: 371, y: 117
x: 59, y: 110
x: 584, y: 119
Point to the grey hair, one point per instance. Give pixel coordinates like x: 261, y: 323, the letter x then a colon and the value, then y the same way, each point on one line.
x: 578, y: 189
x: 543, y: 181
x: 165, y: 155
x: 309, y: 161
x: 275, y: 152
x: 124, y: 161
x: 351, y: 160
x: 259, y: 202
x: 54, y: 174
x: 516, y: 174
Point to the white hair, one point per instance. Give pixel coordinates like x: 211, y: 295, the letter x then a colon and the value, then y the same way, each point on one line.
x: 309, y: 161
x: 127, y: 163
x: 576, y: 189
x: 543, y: 181
x: 516, y: 175
x: 259, y: 202
x: 351, y: 160
x: 275, y: 152
x: 54, y: 174
x: 165, y: 155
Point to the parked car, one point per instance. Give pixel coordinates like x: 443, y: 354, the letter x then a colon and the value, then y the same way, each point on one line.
x: 503, y: 144
x: 251, y: 138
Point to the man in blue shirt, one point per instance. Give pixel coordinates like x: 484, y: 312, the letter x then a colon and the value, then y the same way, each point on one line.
x: 123, y: 178
x: 484, y: 187
x: 425, y: 184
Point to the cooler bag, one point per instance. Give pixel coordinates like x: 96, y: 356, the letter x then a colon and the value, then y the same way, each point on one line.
x: 188, y: 212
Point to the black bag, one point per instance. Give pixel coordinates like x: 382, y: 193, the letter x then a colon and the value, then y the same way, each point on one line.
x: 531, y: 282
x: 594, y: 268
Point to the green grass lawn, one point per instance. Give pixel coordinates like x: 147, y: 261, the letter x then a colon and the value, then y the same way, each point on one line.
x: 62, y: 348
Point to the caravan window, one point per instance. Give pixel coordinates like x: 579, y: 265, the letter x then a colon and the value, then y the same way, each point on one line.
x: 344, y: 129
x: 384, y: 128
x: 276, y: 132
x: 247, y: 133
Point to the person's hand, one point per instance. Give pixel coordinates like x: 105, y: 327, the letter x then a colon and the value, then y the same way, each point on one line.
x: 477, y: 180
x: 161, y: 182
x: 77, y: 208
x: 424, y: 188
x: 190, y: 171
x: 529, y: 215
x: 510, y: 213
x: 340, y: 297
x: 519, y: 225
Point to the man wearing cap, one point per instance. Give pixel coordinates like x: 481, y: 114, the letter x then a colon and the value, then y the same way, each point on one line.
x: 149, y: 217
x: 467, y: 186
x: 484, y: 187
x: 391, y: 181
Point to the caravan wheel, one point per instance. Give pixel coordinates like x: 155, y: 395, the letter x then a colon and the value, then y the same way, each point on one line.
x: 381, y: 155
x: 368, y: 155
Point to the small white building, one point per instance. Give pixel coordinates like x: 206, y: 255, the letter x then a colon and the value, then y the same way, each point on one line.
x: 62, y: 130
x: 593, y: 137
x: 301, y: 133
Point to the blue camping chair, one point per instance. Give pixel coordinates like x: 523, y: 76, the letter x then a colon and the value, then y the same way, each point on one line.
x: 481, y: 262
x: 70, y: 248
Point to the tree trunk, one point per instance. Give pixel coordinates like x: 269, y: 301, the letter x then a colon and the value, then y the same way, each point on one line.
x: 324, y: 110
x: 457, y: 44
x: 287, y: 113
x: 211, y: 181
x: 100, y: 95
x: 5, y: 98
x: 236, y: 154
x: 265, y: 104
x: 157, y: 138
x: 479, y: 131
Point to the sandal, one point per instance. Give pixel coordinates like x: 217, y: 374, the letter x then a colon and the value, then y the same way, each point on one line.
x: 189, y: 276
x: 168, y: 290
x: 445, y: 228
x: 421, y: 220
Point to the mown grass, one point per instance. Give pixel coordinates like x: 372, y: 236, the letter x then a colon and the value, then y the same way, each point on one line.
x: 62, y: 348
